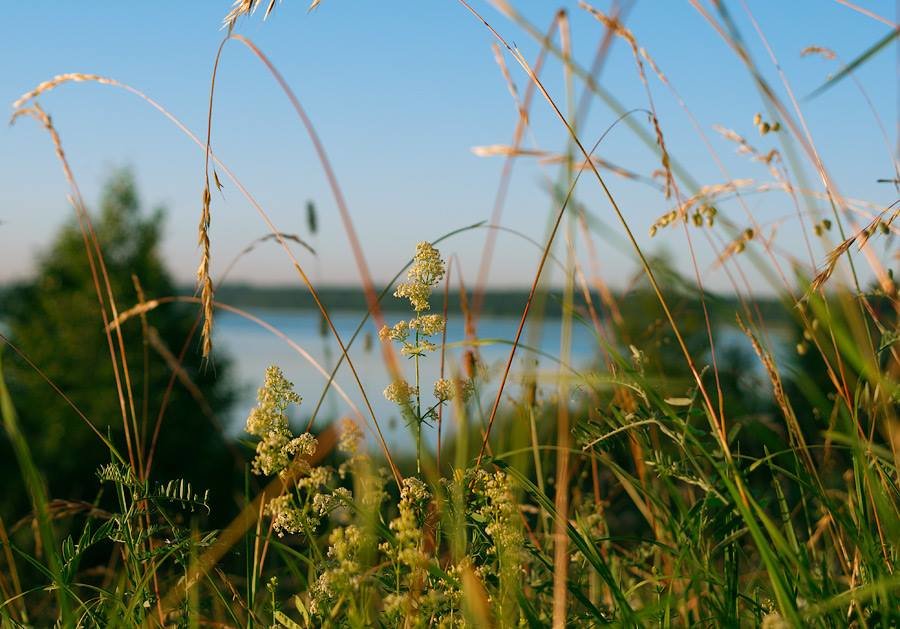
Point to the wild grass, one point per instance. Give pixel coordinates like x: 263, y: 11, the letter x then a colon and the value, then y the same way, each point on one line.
x: 651, y: 489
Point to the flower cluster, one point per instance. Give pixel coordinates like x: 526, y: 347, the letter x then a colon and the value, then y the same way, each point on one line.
x: 493, y: 508
x: 499, y: 511
x: 398, y: 333
x: 268, y: 421
x: 351, y: 437
x: 446, y: 390
x: 427, y: 270
x: 357, y: 464
x: 407, y: 526
x: 399, y: 392
x: 289, y: 517
x: 345, y: 571
x: 427, y: 325
x: 413, y: 337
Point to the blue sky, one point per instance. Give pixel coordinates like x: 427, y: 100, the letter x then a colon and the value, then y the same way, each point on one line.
x: 400, y: 92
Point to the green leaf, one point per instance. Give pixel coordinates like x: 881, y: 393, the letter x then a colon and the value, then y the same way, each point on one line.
x: 284, y: 621
x: 861, y: 59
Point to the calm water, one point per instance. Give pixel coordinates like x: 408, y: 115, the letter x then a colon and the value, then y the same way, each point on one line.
x: 252, y: 348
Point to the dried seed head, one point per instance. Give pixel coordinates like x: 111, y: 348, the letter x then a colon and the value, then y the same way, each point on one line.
x: 204, y: 282
x: 822, y: 51
x: 71, y: 77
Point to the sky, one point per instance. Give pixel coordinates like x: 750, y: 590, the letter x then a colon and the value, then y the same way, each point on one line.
x: 400, y: 92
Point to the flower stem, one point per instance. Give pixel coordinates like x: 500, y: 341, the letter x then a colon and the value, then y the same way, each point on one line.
x: 418, y: 412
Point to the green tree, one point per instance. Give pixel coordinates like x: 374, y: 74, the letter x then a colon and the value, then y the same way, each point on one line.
x: 55, y: 319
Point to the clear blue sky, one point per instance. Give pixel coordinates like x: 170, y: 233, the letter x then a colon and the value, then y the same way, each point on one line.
x: 400, y: 91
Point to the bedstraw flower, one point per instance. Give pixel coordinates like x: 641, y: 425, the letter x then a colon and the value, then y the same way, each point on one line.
x: 277, y: 446
x: 399, y: 392
x: 427, y: 270
x: 428, y: 325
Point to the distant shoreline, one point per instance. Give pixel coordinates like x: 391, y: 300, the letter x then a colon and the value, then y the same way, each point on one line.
x: 497, y: 302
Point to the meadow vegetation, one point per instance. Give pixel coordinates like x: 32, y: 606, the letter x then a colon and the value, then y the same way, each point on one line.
x: 678, y: 480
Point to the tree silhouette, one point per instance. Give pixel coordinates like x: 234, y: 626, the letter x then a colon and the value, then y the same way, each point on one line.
x: 55, y: 319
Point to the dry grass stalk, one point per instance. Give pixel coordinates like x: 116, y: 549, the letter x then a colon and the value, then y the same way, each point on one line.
x: 510, y: 84
x: 781, y: 399
x: 388, y: 354
x: 550, y: 158
x: 181, y: 373
x: 96, y: 264
x: 506, y: 175
x: 355, y: 245
x: 13, y: 572
x: 440, y: 417
x: 703, y: 198
x: 645, y: 264
x: 59, y: 79
x: 822, y: 51
x: 735, y: 247
x: 771, y: 159
x: 798, y: 128
x: 248, y: 516
x: 615, y: 26
x: 59, y: 509
x: 204, y: 281
x: 879, y: 223
x: 492, y: 150
x: 249, y: 7
x: 152, y: 304
x: 868, y: 13
x: 241, y: 8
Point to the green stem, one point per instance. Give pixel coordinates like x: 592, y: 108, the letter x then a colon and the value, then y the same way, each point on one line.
x: 418, y: 408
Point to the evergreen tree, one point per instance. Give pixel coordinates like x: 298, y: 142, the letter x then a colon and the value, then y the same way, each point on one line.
x: 55, y: 319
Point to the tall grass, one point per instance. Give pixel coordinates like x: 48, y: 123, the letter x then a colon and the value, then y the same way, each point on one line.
x: 647, y: 490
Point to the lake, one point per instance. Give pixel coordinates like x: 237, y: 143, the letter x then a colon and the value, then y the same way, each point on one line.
x: 252, y: 348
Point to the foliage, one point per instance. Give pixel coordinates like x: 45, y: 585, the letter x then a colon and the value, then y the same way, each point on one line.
x: 681, y: 480
x: 55, y: 321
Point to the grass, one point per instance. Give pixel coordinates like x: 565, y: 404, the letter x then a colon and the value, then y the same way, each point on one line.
x: 649, y: 490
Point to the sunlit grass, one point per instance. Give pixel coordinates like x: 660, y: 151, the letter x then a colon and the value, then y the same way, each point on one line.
x: 675, y: 481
